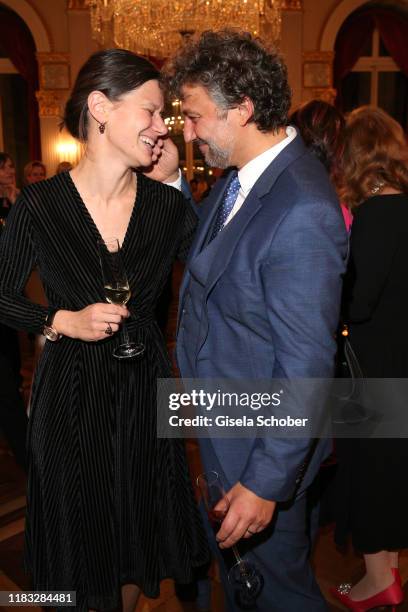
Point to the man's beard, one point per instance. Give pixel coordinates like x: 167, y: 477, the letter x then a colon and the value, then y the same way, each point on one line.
x: 215, y: 156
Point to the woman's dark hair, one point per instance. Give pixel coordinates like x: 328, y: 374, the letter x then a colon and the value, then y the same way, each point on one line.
x: 232, y: 65
x: 321, y: 126
x: 114, y: 72
x: 4, y: 157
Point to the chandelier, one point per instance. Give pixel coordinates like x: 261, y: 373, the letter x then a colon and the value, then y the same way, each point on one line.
x: 175, y: 122
x: 158, y: 27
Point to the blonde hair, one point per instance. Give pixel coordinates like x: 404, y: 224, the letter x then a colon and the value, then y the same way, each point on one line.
x: 28, y: 168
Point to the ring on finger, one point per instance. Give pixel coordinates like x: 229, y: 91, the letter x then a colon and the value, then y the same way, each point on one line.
x: 251, y: 532
x: 109, y: 330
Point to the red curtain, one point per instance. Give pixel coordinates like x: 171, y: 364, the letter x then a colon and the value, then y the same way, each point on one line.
x: 394, y: 32
x: 358, y: 29
x: 18, y: 44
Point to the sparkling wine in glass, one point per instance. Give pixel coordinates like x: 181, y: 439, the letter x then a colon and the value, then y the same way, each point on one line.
x: 117, y: 291
x: 243, y: 575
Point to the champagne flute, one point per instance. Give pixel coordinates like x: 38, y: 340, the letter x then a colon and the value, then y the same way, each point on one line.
x: 243, y: 575
x: 117, y: 291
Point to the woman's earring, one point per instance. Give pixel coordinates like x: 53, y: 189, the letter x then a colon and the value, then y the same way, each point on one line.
x: 101, y: 128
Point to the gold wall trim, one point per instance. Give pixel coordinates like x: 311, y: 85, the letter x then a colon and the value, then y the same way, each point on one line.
x: 51, y: 102
x: 318, y: 56
x: 77, y: 5
x: 317, y: 70
x: 54, y: 70
x: 292, y: 5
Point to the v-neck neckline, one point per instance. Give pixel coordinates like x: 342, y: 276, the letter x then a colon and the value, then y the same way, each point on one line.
x: 90, y: 219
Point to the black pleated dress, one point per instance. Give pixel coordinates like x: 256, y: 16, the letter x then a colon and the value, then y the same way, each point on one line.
x: 108, y: 502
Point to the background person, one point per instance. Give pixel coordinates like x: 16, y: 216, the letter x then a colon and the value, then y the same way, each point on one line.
x: 321, y: 126
x: 372, y: 505
x: 34, y: 172
x: 8, y: 189
x: 110, y: 506
x: 64, y: 166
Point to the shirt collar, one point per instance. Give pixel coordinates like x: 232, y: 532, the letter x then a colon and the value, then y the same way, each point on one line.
x: 250, y: 173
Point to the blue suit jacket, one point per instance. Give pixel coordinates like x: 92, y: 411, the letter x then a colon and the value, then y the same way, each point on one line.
x: 271, y: 307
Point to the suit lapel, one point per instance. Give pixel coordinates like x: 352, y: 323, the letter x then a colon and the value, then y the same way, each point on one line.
x: 230, y: 236
x: 222, y: 250
x: 232, y: 233
x: 206, y: 220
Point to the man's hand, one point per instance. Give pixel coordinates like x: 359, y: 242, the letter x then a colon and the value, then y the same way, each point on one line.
x: 246, y: 512
x: 165, y: 167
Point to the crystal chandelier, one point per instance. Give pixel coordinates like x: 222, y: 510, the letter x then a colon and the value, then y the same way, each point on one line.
x: 158, y: 27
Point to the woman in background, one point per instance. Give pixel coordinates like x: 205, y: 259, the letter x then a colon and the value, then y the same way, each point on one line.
x: 372, y: 499
x: 34, y: 172
x: 64, y: 166
x: 8, y: 189
x: 321, y: 126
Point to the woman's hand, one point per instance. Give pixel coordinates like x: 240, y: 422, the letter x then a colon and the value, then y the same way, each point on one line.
x: 90, y: 323
x: 165, y: 167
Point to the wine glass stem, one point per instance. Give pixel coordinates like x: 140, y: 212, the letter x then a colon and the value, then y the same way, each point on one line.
x: 125, y: 332
x: 237, y: 556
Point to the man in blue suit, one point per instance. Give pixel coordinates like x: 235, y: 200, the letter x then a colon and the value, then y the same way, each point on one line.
x: 261, y: 292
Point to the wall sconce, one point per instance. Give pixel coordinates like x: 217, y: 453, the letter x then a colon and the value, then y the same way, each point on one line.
x: 68, y: 149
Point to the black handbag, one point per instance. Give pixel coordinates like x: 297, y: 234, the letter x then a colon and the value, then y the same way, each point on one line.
x: 350, y: 385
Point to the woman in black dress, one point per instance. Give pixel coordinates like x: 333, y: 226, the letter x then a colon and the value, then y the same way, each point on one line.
x: 110, y: 506
x: 373, y: 498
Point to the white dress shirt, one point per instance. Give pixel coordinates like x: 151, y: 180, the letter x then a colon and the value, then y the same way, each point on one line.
x: 250, y: 173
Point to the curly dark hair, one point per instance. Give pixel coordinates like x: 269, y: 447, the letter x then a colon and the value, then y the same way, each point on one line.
x: 232, y: 65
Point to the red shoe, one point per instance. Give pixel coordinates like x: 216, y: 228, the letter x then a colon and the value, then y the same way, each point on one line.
x: 391, y: 596
x: 397, y: 575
